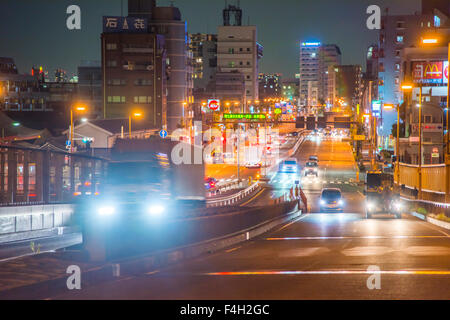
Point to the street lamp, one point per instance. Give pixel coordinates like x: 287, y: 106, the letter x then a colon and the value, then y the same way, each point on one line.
x: 77, y: 108
x: 136, y: 115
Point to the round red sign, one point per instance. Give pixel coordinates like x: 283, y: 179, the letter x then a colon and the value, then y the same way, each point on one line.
x: 213, y: 104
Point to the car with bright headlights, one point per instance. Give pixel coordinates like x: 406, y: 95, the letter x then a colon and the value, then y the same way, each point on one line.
x: 288, y: 166
x: 331, y: 200
x: 311, y: 168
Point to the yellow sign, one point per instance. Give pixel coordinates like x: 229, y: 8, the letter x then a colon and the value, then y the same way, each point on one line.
x: 359, y: 137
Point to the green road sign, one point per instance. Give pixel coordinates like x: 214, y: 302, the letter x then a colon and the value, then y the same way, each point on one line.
x: 244, y: 116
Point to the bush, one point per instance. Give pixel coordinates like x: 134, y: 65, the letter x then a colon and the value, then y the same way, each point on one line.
x: 441, y: 216
x: 422, y: 211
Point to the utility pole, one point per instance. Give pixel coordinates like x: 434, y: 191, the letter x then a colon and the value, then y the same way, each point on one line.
x: 420, y: 141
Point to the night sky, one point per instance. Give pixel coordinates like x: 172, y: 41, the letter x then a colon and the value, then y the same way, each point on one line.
x: 34, y: 32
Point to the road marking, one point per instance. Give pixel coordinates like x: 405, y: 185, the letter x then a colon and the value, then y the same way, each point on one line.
x: 152, y: 272
x: 233, y: 249
x: 254, y: 197
x: 327, y: 272
x: 362, y: 237
x: 292, y: 222
x: 436, y: 229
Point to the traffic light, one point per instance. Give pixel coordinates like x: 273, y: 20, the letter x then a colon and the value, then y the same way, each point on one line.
x: 342, y: 122
x: 300, y: 123
x: 311, y: 123
x: 321, y: 122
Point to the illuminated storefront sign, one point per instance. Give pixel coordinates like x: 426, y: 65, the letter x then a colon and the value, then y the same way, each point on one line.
x: 376, y: 108
x: 430, y: 72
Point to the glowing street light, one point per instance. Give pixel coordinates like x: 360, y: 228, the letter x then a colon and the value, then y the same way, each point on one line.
x: 407, y: 87
x: 77, y: 108
x: 136, y: 115
x: 430, y: 41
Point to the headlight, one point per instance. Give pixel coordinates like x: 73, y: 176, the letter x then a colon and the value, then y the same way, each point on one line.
x: 341, y: 202
x: 322, y: 202
x: 156, y: 210
x: 106, y: 210
x: 370, y: 205
x: 398, y: 206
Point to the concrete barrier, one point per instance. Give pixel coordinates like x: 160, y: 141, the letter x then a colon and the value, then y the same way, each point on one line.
x: 25, y: 222
x: 145, y: 264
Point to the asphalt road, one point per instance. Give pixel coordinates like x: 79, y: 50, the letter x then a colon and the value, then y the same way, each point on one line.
x: 318, y: 256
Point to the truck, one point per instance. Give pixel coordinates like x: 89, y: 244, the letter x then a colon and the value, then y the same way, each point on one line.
x: 380, y: 198
x: 146, y: 185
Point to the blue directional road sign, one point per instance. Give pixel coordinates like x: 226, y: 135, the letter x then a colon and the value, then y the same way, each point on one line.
x: 163, y: 134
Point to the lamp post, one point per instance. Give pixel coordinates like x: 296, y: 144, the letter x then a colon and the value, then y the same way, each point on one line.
x: 78, y: 108
x: 136, y: 114
x: 420, y: 141
x: 397, y: 141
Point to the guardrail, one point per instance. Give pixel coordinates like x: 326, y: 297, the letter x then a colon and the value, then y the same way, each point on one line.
x: 234, y: 198
x: 225, y: 187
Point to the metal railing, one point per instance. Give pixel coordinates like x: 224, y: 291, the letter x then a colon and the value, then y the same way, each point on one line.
x: 234, y: 198
x: 30, y: 176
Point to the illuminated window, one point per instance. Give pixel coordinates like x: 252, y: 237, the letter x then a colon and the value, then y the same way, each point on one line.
x: 399, y: 39
x: 111, y: 46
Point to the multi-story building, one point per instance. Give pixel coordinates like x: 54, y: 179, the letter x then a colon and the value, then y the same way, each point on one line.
x: 344, y: 85
x: 90, y: 86
x: 315, y: 58
x: 134, y: 70
x: 398, y: 32
x: 269, y: 85
x: 167, y: 21
x: 238, y: 50
x: 204, y: 50
x: 427, y: 69
x: 290, y: 90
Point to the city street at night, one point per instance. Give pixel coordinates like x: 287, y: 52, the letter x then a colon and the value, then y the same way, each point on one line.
x: 226, y: 159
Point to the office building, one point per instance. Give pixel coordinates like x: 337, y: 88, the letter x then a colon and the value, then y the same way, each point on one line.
x: 270, y: 86
x: 315, y: 58
x: 204, y: 56
x: 134, y: 70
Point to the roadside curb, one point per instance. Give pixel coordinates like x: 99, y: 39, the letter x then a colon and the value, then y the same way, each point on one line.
x: 140, y: 265
x: 439, y: 223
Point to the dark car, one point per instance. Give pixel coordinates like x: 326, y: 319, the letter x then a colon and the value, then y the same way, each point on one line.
x: 331, y: 200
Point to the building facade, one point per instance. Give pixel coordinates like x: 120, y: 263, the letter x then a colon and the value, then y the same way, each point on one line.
x: 239, y: 50
x: 269, y: 86
x: 134, y: 76
x: 315, y: 58
x: 204, y: 53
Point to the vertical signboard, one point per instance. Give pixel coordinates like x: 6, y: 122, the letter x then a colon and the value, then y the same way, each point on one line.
x: 445, y: 66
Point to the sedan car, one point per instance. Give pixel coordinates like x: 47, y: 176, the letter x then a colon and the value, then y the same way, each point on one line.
x: 331, y: 200
x: 311, y: 168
